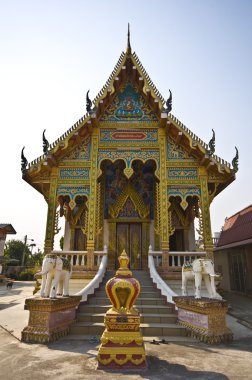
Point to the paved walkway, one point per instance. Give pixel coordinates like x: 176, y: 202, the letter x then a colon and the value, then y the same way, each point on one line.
x: 13, y: 317
x: 66, y: 359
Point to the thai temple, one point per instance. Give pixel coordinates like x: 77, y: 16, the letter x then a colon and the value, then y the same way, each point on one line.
x: 129, y: 175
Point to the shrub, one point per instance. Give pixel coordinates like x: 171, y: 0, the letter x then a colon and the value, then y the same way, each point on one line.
x: 26, y: 276
x: 13, y: 276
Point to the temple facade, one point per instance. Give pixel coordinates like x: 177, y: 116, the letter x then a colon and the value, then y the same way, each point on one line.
x: 129, y: 174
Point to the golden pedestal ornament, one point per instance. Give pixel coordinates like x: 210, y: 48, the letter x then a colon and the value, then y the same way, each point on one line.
x: 205, y: 318
x: 122, y: 344
x: 49, y: 319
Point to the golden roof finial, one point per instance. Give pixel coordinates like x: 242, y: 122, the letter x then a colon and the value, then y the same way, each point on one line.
x: 128, y: 50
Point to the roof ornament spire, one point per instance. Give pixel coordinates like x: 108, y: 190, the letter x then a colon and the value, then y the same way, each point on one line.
x: 45, y: 143
x: 24, y: 161
x: 235, y: 161
x: 169, y: 103
x: 211, y: 144
x: 88, y: 103
x: 128, y: 50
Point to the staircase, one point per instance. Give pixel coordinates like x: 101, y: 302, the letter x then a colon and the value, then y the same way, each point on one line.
x: 158, y: 318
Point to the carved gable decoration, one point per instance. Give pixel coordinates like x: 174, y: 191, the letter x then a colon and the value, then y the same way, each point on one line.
x: 176, y: 152
x: 82, y: 152
x: 129, y: 105
x: 128, y: 210
x: 138, y: 205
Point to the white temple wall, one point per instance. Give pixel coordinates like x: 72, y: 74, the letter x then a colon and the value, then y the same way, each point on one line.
x: 67, y: 237
x: 191, y: 237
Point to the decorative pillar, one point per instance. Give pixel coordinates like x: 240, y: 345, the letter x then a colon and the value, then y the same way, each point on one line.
x: 205, y: 209
x: 51, y: 213
x: 112, y: 245
x: 145, y: 244
x: 163, y: 201
x: 92, y: 200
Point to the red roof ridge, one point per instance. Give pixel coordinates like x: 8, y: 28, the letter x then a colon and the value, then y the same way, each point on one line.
x: 240, y: 212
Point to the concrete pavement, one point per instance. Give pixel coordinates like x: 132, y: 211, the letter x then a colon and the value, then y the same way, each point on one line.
x: 67, y: 359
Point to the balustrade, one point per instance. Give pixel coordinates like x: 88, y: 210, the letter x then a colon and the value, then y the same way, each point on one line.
x: 176, y: 258
x: 78, y: 259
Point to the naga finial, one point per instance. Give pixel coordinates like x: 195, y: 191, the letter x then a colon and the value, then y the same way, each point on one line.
x: 88, y: 103
x: 211, y: 144
x: 169, y: 103
x: 24, y: 161
x: 45, y: 143
x: 235, y: 160
x: 128, y: 50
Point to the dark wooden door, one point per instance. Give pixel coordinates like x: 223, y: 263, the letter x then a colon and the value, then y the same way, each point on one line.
x: 128, y: 237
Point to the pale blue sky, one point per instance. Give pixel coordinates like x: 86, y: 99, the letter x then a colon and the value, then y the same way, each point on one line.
x: 53, y: 51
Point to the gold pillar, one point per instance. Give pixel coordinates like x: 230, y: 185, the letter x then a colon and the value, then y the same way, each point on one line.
x: 92, y: 201
x: 145, y: 244
x: 112, y: 245
x: 205, y: 209
x: 51, y: 213
x: 163, y: 200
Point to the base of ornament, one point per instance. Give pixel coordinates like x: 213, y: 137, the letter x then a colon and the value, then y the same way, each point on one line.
x: 204, y: 318
x: 49, y: 319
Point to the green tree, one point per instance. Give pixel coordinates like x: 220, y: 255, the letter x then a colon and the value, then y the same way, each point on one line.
x: 14, y: 249
x: 61, y: 242
x: 36, y: 259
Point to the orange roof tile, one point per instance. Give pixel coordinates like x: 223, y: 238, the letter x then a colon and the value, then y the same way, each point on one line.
x: 237, y: 227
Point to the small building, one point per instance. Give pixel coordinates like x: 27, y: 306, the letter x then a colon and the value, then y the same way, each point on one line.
x: 233, y: 253
x: 5, y: 229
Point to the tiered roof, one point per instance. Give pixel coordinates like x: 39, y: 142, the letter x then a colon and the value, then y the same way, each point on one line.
x: 129, y: 67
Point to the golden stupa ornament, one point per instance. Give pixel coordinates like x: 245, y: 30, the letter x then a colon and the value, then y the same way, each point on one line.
x: 122, y: 344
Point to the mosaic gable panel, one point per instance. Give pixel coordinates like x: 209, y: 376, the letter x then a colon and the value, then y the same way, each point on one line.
x: 128, y: 155
x: 184, y: 173
x: 183, y: 191
x: 126, y: 136
x: 73, y: 191
x: 129, y: 105
x: 82, y: 152
x: 77, y: 173
x: 176, y: 152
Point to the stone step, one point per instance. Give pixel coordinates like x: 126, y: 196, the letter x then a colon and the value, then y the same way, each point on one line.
x: 158, y: 318
x: 140, y: 301
x: 143, y: 309
x: 145, y: 318
x: 148, y: 329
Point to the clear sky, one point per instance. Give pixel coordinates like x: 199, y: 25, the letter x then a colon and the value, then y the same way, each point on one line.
x: 53, y: 51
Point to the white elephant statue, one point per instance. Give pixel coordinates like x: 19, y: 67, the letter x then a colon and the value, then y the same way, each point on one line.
x: 198, y: 270
x: 56, y: 272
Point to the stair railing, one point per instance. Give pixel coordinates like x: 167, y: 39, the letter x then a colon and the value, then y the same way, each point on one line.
x: 96, y: 281
x: 161, y: 285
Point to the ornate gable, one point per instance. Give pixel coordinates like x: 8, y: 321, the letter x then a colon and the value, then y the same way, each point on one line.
x: 177, y: 152
x: 129, y: 105
x: 81, y: 152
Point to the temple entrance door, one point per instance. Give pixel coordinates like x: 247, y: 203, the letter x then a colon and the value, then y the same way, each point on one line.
x: 128, y: 237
